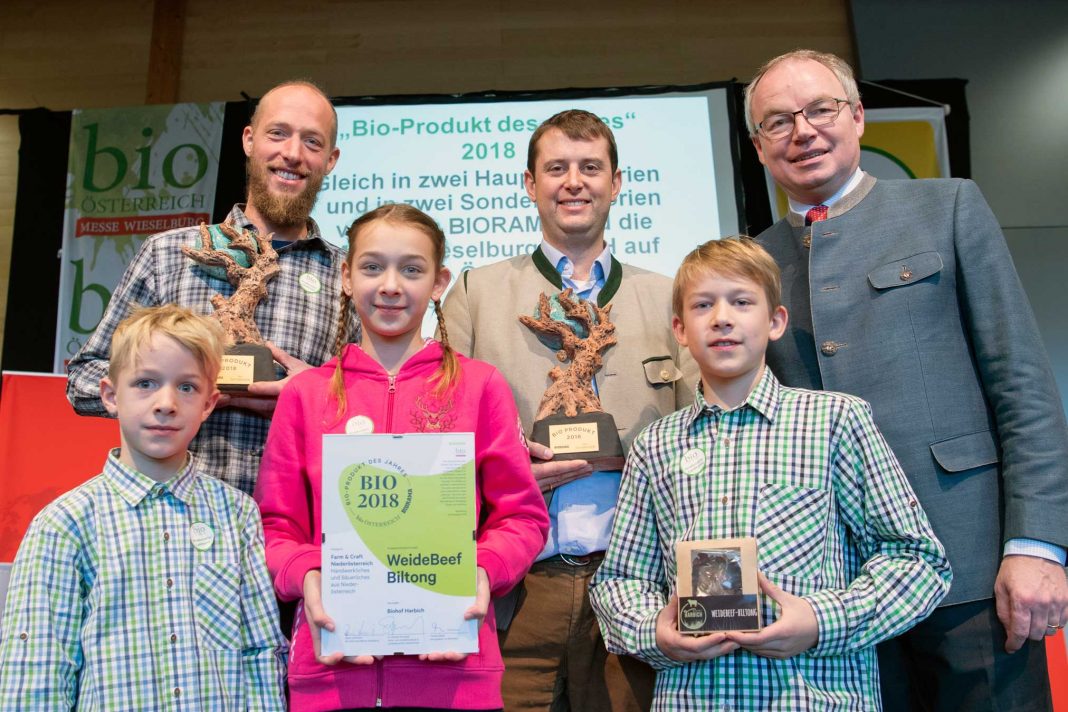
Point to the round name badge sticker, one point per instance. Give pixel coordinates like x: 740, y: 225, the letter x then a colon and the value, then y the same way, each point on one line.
x: 359, y: 425
x: 201, y: 536
x: 693, y: 461
x: 309, y: 283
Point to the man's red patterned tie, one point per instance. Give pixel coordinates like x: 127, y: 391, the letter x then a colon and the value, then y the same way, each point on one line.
x: 815, y: 214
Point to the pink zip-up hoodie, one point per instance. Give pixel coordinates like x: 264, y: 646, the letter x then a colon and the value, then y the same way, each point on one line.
x: 512, y: 516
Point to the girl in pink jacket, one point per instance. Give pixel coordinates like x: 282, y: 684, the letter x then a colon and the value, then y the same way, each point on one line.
x: 394, y: 381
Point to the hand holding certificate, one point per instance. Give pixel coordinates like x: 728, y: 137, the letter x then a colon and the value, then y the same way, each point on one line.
x: 477, y: 613
x: 398, y: 550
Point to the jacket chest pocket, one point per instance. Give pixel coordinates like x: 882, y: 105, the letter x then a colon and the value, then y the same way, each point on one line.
x: 791, y: 528
x: 906, y: 271
x: 217, y: 605
x: 966, y: 452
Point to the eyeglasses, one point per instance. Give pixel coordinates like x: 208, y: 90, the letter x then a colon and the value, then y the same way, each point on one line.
x: 819, y: 113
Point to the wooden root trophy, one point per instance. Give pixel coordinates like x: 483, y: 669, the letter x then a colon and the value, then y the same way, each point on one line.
x: 583, y: 431
x: 248, y: 270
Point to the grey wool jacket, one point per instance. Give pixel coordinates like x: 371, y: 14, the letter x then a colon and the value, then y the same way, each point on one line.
x: 908, y: 298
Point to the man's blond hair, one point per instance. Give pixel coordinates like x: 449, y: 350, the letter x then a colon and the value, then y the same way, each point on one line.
x: 202, y: 336
x: 736, y: 256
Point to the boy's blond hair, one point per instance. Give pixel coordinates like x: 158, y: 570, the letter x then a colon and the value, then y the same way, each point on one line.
x: 202, y: 336
x: 735, y: 256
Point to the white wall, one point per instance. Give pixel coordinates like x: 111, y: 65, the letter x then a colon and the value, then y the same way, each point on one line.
x: 1014, y: 54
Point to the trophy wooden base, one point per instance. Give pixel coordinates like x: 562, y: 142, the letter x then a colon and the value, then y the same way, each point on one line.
x: 244, y: 364
x: 587, y: 436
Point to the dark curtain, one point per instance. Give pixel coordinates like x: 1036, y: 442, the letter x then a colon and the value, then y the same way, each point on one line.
x: 33, y: 291
x: 230, y: 186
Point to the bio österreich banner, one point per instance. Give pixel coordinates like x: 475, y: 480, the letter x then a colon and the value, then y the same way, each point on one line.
x: 132, y: 172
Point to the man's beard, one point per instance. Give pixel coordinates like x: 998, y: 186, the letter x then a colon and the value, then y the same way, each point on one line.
x: 281, y: 209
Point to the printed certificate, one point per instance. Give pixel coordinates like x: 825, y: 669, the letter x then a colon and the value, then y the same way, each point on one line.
x: 399, y: 543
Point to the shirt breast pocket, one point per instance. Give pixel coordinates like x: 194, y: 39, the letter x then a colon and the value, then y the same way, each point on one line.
x: 217, y: 605
x: 791, y: 529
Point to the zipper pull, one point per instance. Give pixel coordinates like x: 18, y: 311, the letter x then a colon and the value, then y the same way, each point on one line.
x: 392, y: 384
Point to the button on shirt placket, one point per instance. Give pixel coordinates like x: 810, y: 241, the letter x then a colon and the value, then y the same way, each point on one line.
x: 721, y: 522
x: 726, y: 476
x: 828, y: 288
x: 166, y: 515
x: 737, y: 511
x: 169, y: 549
x: 719, y: 503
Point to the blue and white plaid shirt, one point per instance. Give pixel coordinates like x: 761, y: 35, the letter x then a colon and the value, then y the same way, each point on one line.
x: 118, y: 602
x: 299, y: 316
x: 809, y: 475
x: 589, y: 288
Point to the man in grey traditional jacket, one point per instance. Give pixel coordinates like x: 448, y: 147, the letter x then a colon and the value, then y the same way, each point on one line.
x: 903, y: 293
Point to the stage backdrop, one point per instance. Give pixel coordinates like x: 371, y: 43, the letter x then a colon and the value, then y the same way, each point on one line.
x: 463, y: 163
x: 132, y: 172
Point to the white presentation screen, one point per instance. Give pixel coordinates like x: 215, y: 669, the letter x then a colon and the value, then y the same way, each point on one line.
x: 463, y: 164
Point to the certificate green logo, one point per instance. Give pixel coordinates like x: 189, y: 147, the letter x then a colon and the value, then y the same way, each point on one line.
x: 400, y: 518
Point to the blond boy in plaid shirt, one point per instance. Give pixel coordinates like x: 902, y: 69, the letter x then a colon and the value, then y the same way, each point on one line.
x: 146, y: 587
x: 847, y: 557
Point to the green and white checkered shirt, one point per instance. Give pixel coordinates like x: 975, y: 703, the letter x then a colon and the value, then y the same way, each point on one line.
x: 809, y: 475
x: 118, y: 602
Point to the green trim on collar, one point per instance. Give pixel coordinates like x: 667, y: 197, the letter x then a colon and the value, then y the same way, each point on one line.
x: 547, y: 269
x: 611, y: 284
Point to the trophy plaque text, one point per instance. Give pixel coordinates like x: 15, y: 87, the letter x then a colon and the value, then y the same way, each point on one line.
x: 570, y: 419
x: 248, y: 262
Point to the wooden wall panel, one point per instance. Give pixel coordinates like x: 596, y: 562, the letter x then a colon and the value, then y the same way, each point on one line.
x: 423, y: 46
x: 64, y: 54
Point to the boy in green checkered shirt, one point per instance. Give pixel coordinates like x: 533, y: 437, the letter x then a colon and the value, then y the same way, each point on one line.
x: 146, y: 588
x: 846, y: 555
